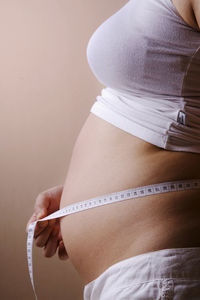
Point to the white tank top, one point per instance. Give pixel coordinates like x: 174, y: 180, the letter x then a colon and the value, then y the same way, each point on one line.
x: 148, y: 58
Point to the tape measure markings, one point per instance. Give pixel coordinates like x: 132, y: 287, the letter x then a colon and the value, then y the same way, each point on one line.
x: 162, y: 187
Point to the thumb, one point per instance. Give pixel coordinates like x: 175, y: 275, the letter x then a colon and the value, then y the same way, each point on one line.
x: 41, y: 214
x: 36, y: 216
x: 32, y: 219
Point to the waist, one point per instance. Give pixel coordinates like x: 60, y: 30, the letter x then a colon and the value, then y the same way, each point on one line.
x: 103, y: 149
x: 106, y: 159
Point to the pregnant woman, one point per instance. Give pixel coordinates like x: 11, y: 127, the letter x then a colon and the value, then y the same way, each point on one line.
x: 144, y: 129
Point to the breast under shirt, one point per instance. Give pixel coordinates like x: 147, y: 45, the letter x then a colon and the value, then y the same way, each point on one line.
x: 148, y: 59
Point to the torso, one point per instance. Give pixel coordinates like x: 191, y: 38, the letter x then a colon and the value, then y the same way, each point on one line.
x: 106, y: 159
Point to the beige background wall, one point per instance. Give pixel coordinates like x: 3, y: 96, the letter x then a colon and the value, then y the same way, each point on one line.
x: 46, y: 91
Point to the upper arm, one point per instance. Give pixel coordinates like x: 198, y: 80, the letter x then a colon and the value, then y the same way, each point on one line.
x: 196, y: 9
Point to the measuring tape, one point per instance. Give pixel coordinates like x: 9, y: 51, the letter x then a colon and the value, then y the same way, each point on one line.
x: 162, y: 187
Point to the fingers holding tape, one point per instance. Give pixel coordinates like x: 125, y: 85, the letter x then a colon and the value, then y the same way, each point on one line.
x: 42, y: 238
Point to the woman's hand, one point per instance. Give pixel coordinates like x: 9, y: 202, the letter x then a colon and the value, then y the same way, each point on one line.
x: 47, y: 233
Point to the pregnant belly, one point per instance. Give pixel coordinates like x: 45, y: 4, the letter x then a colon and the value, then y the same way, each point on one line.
x: 106, y: 159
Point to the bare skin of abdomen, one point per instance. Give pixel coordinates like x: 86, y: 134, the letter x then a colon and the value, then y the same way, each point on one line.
x: 106, y: 159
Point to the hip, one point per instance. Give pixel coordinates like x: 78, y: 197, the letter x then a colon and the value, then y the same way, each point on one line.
x: 166, y: 274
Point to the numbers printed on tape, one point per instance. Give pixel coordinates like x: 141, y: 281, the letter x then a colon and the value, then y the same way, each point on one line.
x: 162, y: 187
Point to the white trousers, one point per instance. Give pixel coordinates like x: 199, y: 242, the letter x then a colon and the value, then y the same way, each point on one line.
x: 159, y: 275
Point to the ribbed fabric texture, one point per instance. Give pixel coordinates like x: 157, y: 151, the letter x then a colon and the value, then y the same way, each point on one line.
x: 148, y: 59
